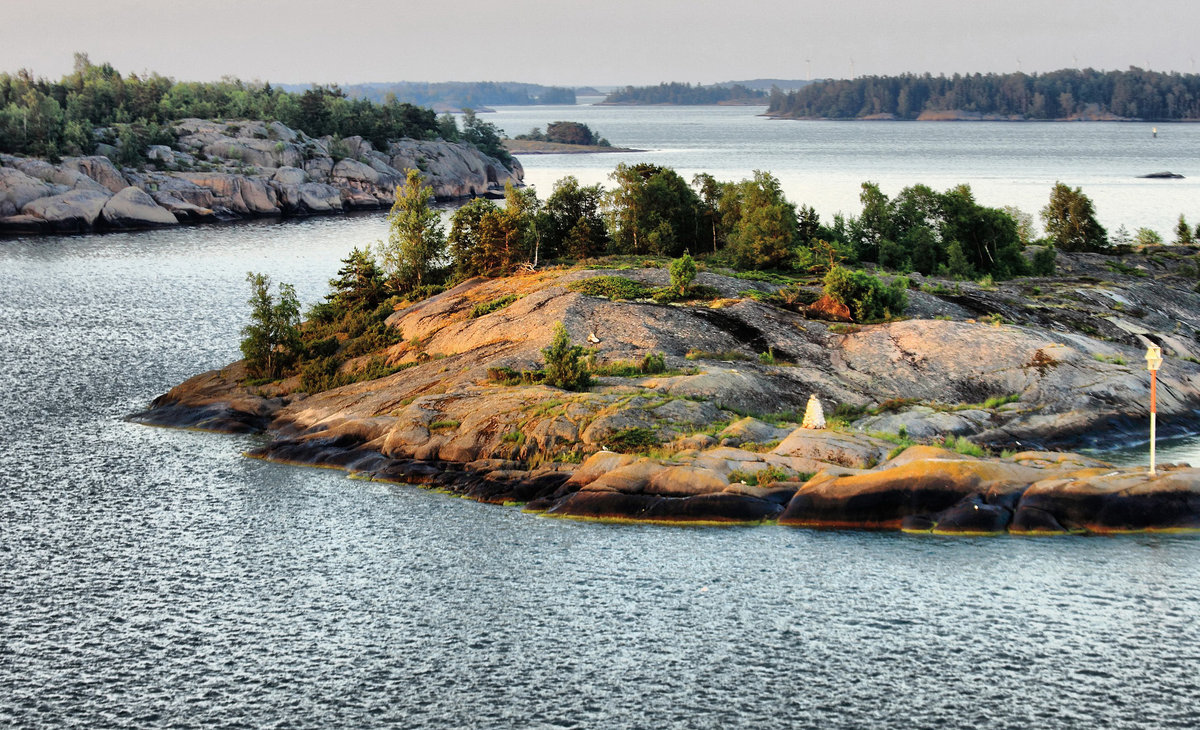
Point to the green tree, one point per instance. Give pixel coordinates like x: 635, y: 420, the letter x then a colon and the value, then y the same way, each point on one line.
x: 359, y: 284
x: 477, y: 239
x: 765, y: 231
x: 519, y: 221
x: 565, y: 364
x: 709, y: 191
x: 484, y: 136
x: 683, y: 271
x: 271, y: 342
x: 651, y: 211
x: 1071, y: 221
x: 416, y: 238
x: 1147, y: 237
x: 571, y: 220
x: 1183, y: 232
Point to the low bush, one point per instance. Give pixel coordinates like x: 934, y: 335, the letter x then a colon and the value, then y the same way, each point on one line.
x: 613, y: 287
x: 867, y: 298
x: 489, y: 307
x: 630, y: 440
x: 565, y: 366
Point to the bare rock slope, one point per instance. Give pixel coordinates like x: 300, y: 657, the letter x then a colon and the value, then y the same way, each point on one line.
x: 718, y: 431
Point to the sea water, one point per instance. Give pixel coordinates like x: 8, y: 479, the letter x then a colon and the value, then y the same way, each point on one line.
x: 157, y: 578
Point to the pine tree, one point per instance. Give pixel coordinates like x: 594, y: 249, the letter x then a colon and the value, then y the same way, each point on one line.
x: 1183, y: 232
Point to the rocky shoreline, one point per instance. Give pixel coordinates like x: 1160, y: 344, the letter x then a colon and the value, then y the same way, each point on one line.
x: 221, y: 171
x: 705, y: 442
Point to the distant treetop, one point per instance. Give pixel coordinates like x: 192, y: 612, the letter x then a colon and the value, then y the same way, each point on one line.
x: 677, y: 93
x: 1065, y: 94
x: 49, y: 118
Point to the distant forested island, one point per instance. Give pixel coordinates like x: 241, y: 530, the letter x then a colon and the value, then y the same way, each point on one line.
x: 1068, y: 94
x: 456, y: 94
x: 96, y: 107
x: 677, y: 93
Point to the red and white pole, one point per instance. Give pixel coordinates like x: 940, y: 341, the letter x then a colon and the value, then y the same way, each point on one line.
x: 1153, y: 415
x: 1154, y: 361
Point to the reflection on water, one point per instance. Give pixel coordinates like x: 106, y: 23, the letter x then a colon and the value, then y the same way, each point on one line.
x: 152, y: 577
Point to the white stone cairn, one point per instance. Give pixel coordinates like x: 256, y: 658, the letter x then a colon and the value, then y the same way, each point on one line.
x: 814, y: 415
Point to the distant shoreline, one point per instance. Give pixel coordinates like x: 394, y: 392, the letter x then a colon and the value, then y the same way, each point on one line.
x: 960, y: 116
x: 532, y: 147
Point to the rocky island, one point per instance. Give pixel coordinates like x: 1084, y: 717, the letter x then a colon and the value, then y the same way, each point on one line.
x: 219, y: 171
x: 940, y: 422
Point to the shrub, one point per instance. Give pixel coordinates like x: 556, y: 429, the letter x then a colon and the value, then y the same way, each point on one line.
x: 654, y: 363
x: 508, y: 376
x: 631, y: 439
x: 868, y: 298
x: 1042, y: 263
x: 565, y: 367
x: 489, y: 307
x: 683, y: 271
x: 613, y: 287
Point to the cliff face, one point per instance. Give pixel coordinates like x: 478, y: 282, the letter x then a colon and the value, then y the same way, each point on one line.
x: 445, y: 421
x: 230, y: 170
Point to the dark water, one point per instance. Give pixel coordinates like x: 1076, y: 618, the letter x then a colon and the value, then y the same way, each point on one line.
x: 156, y: 578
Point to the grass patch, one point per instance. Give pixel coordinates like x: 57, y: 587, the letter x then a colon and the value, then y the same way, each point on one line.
x: 961, y: 445
x: 766, y: 476
x: 844, y: 329
x: 446, y: 424
x: 489, y: 307
x: 612, y: 287
x: 1110, y: 359
x: 1001, y: 400
x: 654, y: 363
x: 514, y: 437
x: 509, y: 376
x: 1123, y: 268
x: 711, y: 355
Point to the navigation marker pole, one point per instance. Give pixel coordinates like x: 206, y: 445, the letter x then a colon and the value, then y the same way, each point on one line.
x: 1154, y: 361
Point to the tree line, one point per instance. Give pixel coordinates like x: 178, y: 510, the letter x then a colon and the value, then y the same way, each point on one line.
x: 1064, y: 94
x: 462, y: 94
x: 747, y: 225
x: 50, y: 118
x: 684, y: 93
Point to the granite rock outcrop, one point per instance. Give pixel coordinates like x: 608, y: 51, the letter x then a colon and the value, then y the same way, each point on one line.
x: 230, y: 170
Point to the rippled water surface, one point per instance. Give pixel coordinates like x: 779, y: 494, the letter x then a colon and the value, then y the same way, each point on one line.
x: 822, y: 164
x: 156, y: 578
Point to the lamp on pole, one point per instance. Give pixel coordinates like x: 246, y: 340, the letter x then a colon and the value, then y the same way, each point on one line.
x: 1154, y: 361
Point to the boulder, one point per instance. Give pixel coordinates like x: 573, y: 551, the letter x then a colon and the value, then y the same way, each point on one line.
x: 73, y: 211
x: 834, y: 447
x: 1106, y: 500
x: 923, y: 487
x: 752, y: 430
x: 926, y: 423
x: 134, y: 208
x: 100, y: 169
x: 18, y: 189
x: 183, y: 211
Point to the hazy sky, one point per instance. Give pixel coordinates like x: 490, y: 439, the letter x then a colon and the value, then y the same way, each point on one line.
x: 598, y: 42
